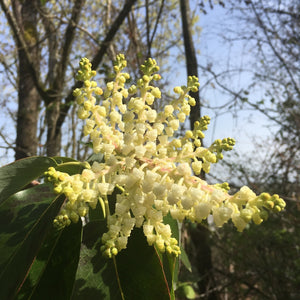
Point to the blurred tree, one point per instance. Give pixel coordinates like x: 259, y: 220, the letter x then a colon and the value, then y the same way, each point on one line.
x: 44, y: 34
x: 59, y: 33
x: 271, y: 270
x: 28, y: 96
x: 196, y: 237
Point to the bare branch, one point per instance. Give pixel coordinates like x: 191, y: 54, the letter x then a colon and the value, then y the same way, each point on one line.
x: 97, y: 59
x: 18, y: 36
x: 68, y: 40
x: 276, y: 53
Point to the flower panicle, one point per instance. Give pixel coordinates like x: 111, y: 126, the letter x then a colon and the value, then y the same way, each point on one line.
x: 153, y: 170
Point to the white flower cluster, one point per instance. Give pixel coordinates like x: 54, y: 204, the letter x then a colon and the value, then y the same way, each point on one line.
x: 153, y: 170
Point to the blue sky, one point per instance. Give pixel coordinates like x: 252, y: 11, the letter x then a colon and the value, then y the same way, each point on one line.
x: 243, y: 125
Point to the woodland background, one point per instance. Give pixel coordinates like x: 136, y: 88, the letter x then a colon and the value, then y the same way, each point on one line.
x: 41, y: 44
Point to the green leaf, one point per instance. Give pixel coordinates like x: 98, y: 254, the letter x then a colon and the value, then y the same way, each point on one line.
x: 53, y: 272
x: 25, y: 220
x: 139, y: 268
x: 96, y: 213
x: 185, y: 260
x: 17, y: 175
x: 68, y: 165
x: 95, y: 278
x: 98, y: 157
x: 186, y: 291
x: 141, y: 271
x: 173, y: 262
x: 60, y: 159
x: 170, y: 262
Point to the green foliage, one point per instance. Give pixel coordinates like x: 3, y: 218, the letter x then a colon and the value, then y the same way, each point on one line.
x: 140, y: 183
x: 134, y: 270
x: 262, y: 261
x: 12, y: 177
x: 27, y: 217
x: 39, y: 262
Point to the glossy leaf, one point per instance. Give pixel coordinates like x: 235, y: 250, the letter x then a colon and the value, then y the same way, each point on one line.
x: 95, y: 278
x: 19, y: 174
x: 98, y: 157
x: 139, y: 269
x: 25, y: 220
x: 53, y: 272
x: 185, y: 259
x: 61, y: 159
x: 96, y: 213
x: 68, y: 165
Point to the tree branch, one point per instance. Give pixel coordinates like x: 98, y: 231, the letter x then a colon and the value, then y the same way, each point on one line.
x: 69, y: 37
x: 97, y: 59
x: 191, y: 58
x: 21, y: 44
x: 157, y: 21
x: 276, y: 53
x: 52, y: 43
x: 112, y: 32
x: 237, y: 95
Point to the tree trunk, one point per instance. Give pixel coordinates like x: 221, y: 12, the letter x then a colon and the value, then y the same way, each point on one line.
x: 191, y: 59
x: 56, y: 110
x: 53, y: 132
x: 24, y: 27
x: 199, y: 252
x: 28, y: 96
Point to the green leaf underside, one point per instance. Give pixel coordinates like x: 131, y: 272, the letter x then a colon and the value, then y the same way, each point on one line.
x: 138, y: 267
x: 65, y: 165
x: 60, y: 159
x: 25, y: 220
x: 95, y: 278
x: 53, y: 272
x: 17, y: 175
x: 98, y: 157
x: 185, y: 260
x: 96, y: 214
x: 170, y: 262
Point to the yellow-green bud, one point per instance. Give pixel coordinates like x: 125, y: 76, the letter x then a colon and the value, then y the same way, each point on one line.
x: 265, y: 196
x: 146, y: 78
x: 114, y: 251
x: 197, y: 143
x: 132, y: 89
x: 189, y: 134
x: 87, y: 83
x: 76, y: 92
x: 200, y: 134
x: 178, y: 90
x: 122, y: 79
x: 110, y: 85
x: 98, y: 91
x: 74, y: 217
x: 156, y: 92
x: 107, y: 253
x: 58, y: 189
x: 192, y: 101
x: 277, y: 208
x: 156, y: 77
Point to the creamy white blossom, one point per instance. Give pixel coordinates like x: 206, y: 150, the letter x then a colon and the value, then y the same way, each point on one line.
x: 153, y: 172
